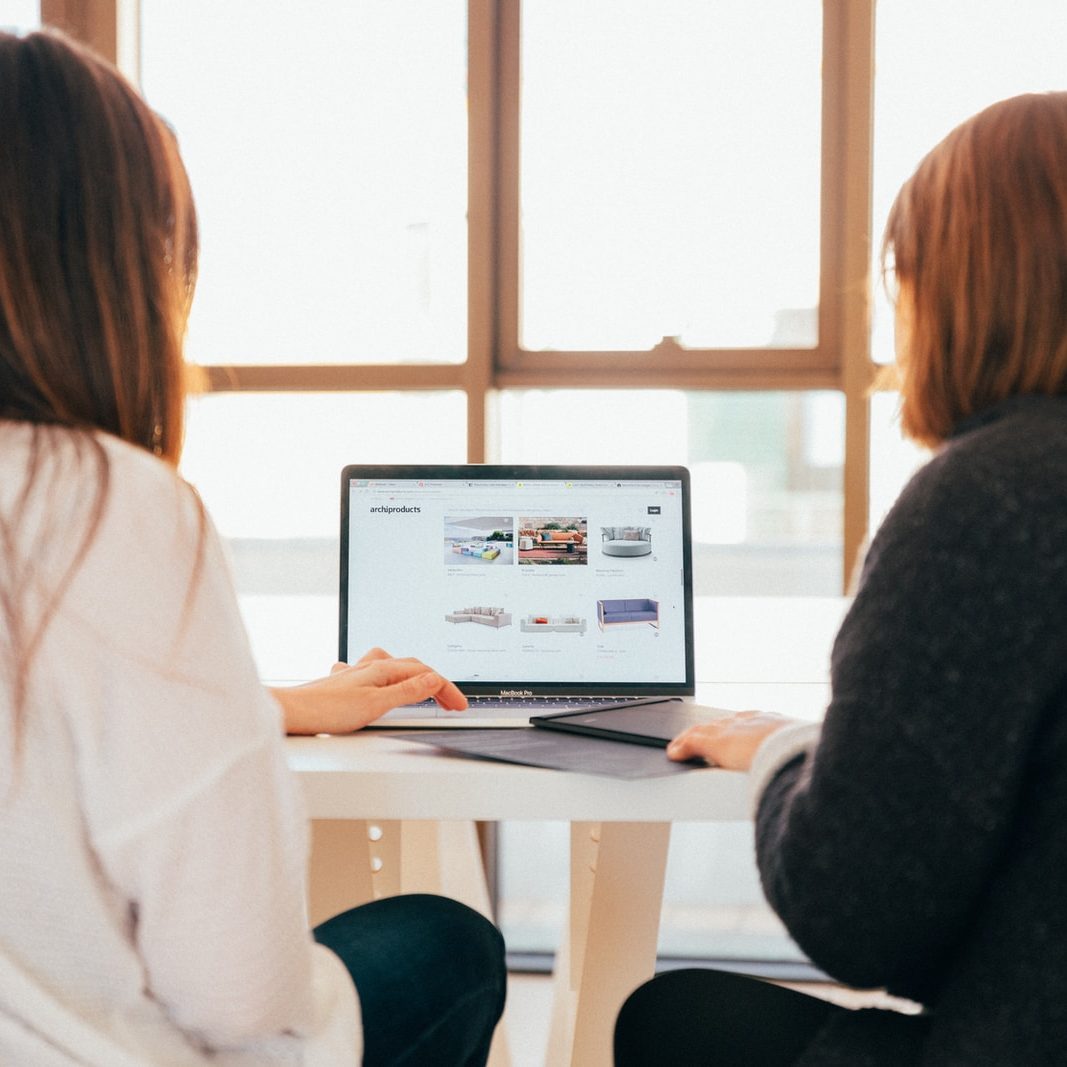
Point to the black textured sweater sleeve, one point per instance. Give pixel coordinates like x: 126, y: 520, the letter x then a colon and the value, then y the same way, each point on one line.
x: 878, y: 848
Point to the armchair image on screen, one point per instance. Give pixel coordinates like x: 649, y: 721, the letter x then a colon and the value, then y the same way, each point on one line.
x: 626, y: 540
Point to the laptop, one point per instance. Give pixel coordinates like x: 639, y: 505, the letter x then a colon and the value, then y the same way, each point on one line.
x: 536, y: 589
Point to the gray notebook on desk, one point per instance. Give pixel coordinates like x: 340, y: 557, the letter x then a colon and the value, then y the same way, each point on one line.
x: 626, y: 742
x: 536, y: 589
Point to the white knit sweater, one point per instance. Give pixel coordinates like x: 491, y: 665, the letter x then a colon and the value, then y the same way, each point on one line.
x: 152, y: 838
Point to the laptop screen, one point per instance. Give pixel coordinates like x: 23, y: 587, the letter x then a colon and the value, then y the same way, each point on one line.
x: 539, y: 579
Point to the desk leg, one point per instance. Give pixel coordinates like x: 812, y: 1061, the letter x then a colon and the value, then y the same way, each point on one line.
x: 444, y: 857
x: 354, y: 861
x: 340, y: 874
x: 617, y: 872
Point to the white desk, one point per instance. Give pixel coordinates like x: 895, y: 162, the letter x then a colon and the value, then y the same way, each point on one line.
x: 619, y: 838
x: 392, y: 816
x: 423, y: 803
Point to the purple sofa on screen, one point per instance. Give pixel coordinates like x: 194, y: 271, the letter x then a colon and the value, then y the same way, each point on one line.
x: 614, y: 612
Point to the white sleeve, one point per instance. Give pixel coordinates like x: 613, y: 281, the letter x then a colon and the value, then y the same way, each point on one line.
x: 215, y: 885
x: 191, y: 808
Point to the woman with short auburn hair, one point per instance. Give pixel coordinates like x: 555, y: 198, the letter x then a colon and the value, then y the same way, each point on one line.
x: 975, y: 244
x: 153, y: 839
x: 914, y: 841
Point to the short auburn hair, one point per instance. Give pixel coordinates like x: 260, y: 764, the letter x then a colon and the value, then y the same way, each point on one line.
x: 98, y: 248
x: 977, y: 239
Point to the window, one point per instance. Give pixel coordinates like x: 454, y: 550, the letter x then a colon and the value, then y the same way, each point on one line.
x: 275, y: 496
x: 662, y: 220
x: 766, y: 472
x: 328, y: 156
x: 20, y: 14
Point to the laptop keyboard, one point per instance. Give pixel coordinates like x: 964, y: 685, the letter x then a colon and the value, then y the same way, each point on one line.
x: 538, y: 704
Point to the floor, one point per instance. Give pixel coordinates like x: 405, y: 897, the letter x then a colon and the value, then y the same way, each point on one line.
x: 530, y: 1004
x: 528, y: 1010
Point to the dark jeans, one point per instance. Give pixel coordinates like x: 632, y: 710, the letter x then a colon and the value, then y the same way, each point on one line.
x: 431, y: 978
x: 694, y: 1017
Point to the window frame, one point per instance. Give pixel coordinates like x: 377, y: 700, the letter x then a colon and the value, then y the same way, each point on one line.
x: 840, y: 361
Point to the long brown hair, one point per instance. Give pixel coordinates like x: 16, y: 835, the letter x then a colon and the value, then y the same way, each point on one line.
x: 98, y: 250
x: 977, y: 238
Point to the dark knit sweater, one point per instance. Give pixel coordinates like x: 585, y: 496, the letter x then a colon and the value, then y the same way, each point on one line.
x: 922, y: 846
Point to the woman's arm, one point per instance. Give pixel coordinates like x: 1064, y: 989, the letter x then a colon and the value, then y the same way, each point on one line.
x: 215, y: 882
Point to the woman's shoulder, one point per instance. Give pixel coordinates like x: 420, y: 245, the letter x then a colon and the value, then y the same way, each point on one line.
x: 144, y: 484
x: 1009, y: 437
x: 996, y: 491
x: 1011, y: 456
x: 115, y: 533
x: 144, y: 594
x: 145, y: 526
x: 62, y: 471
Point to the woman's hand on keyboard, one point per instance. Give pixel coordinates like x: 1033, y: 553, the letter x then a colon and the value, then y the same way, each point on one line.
x: 353, y: 695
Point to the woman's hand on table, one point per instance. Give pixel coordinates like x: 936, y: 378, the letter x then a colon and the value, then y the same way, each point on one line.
x: 353, y: 695
x: 730, y: 741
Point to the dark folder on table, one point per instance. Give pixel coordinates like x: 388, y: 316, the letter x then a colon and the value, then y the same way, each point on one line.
x: 618, y: 742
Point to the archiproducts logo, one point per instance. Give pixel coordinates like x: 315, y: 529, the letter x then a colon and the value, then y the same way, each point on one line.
x: 404, y: 509
x: 516, y: 692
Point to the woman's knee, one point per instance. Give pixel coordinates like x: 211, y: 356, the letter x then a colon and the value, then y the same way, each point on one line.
x: 433, y: 935
x: 438, y: 958
x: 471, y: 943
x: 695, y: 1015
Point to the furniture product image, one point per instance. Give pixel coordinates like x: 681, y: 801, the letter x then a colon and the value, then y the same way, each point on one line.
x: 555, y: 536
x: 559, y: 624
x: 495, y: 617
x: 626, y: 540
x: 616, y: 612
x: 539, y: 545
x: 481, y: 551
x: 560, y: 540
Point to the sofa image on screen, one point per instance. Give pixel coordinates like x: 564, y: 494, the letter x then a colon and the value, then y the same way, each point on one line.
x: 495, y: 617
x: 551, y: 540
x: 561, y: 539
x: 556, y: 538
x: 481, y: 550
x: 626, y: 540
x: 617, y: 612
x: 557, y: 624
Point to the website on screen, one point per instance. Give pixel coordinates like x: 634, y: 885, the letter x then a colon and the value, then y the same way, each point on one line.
x: 539, y: 581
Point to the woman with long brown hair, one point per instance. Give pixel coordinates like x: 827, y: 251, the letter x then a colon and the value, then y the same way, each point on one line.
x: 916, y: 841
x: 153, y: 842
